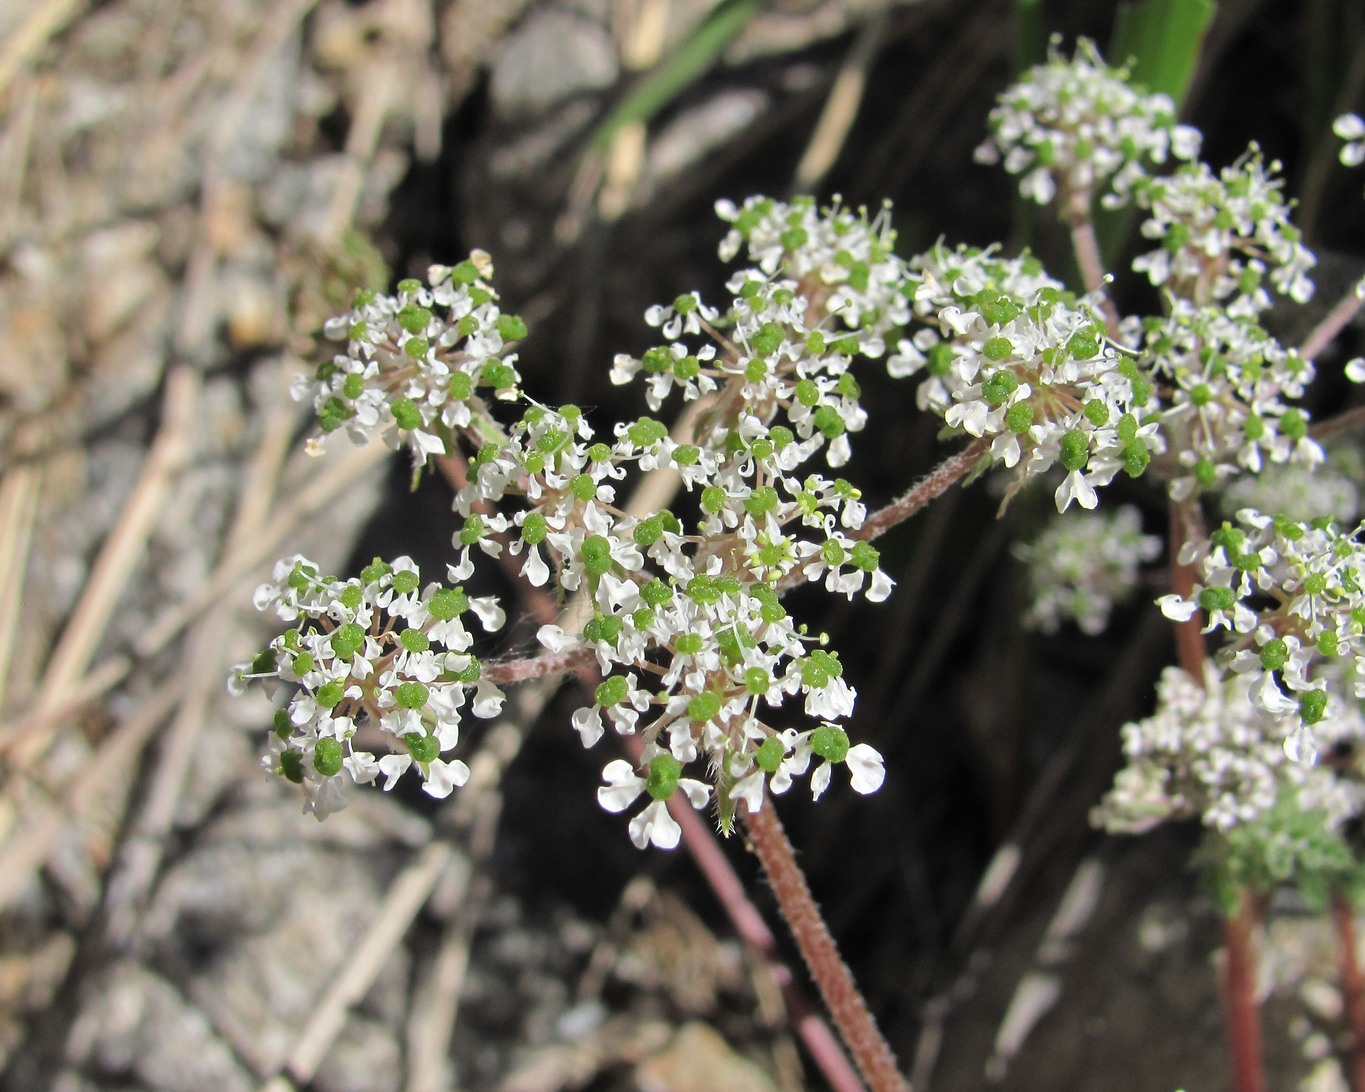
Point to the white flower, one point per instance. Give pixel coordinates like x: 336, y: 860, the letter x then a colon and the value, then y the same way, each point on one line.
x: 1351, y: 129
x: 653, y: 824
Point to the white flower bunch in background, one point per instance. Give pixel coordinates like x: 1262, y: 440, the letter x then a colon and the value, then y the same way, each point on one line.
x: 1081, y: 567
x: 1295, y: 491
x: 1351, y: 128
x: 1012, y: 357
x: 1074, y: 124
x: 1209, y: 752
x: 1291, y: 595
x: 414, y: 360
x: 1221, y: 233
x: 1227, y: 385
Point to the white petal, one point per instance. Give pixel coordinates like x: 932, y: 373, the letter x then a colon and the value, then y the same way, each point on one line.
x: 622, y: 786
x: 588, y: 723
x: 458, y: 574
x: 1271, y: 698
x: 1177, y: 609
x: 490, y: 614
x: 697, y: 792
x: 362, y: 766
x: 654, y: 824
x: 555, y: 639
x: 488, y: 700
x: 392, y: 767
x: 1301, y: 746
x: 535, y: 570
x: 442, y: 777
x: 865, y: 765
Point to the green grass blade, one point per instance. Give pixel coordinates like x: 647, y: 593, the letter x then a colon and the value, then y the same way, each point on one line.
x: 678, y: 72
x: 1163, y: 39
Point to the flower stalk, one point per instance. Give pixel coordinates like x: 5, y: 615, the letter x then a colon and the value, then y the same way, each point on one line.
x: 871, y: 1052
x: 1240, y: 1004
x: 1352, y: 987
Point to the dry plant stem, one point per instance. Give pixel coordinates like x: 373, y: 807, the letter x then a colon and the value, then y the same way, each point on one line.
x: 45, y: 21
x: 1352, y: 986
x: 1325, y: 332
x: 1087, y: 250
x: 841, y: 108
x: 20, y: 488
x: 871, y: 1053
x: 1239, y: 998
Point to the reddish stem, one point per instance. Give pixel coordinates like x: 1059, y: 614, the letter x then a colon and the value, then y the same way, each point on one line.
x: 1186, y: 526
x: 871, y: 1053
x: 1352, y: 986
x: 1240, y: 1006
x: 1239, y: 997
x: 939, y: 480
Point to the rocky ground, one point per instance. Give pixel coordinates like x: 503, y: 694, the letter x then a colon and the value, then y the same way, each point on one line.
x: 186, y: 191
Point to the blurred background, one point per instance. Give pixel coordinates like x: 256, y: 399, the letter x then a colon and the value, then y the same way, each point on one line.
x: 187, y: 190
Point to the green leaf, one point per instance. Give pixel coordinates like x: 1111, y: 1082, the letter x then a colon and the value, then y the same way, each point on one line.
x: 1163, y: 38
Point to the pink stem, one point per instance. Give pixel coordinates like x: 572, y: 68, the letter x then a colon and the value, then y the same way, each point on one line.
x: 1332, y: 324
x: 1088, y: 259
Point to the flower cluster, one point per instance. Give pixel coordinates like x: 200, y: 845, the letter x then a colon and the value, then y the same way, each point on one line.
x: 1070, y: 125
x: 1291, y: 596
x: 686, y: 624
x: 844, y: 260
x: 1221, y: 234
x: 1011, y: 356
x: 683, y: 609
x: 415, y: 361
x: 1080, y: 567
x: 1225, y: 381
x: 381, y: 652
x: 1209, y: 751
x: 1296, y: 491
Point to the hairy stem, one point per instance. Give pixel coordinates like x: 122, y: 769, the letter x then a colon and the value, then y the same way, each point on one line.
x: 1342, y: 422
x: 504, y: 672
x: 1087, y: 250
x: 1239, y: 997
x: 1352, y: 986
x: 1187, y: 526
x: 940, y: 479
x: 1240, y: 1007
x: 871, y: 1053
x: 698, y: 839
